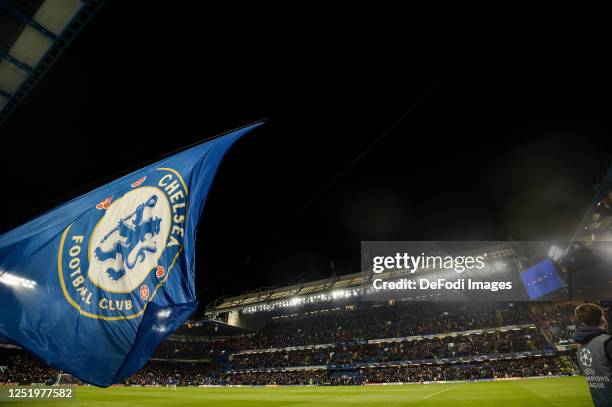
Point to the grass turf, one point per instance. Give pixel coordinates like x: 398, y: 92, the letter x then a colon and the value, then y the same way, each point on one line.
x: 570, y: 391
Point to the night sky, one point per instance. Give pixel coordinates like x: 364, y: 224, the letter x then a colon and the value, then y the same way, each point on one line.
x: 509, y: 144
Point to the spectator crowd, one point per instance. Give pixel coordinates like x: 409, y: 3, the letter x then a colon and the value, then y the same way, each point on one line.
x: 344, y: 333
x: 495, y: 342
x: 157, y: 374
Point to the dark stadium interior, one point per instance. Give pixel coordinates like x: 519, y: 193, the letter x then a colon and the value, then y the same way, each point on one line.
x: 473, y: 122
x: 509, y: 145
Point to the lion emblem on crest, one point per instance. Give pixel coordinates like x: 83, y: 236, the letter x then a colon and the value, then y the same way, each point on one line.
x: 132, y: 234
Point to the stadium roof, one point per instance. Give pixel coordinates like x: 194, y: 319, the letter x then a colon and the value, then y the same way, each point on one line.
x: 353, y: 281
x: 33, y: 34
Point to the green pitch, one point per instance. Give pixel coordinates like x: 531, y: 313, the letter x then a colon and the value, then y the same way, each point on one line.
x: 570, y: 391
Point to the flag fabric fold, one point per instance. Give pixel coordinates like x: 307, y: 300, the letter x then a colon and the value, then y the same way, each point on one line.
x: 93, y: 286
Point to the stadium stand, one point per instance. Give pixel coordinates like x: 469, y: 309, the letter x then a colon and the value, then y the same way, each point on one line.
x: 367, y: 321
x: 324, y: 333
x: 354, y: 344
x: 452, y: 346
x: 23, y: 368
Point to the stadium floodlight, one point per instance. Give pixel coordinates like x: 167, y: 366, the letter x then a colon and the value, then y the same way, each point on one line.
x: 337, y: 294
x: 499, y: 265
x: 12, y: 280
x: 164, y: 313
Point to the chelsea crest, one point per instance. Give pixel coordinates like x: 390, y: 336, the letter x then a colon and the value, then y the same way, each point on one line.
x: 113, y: 260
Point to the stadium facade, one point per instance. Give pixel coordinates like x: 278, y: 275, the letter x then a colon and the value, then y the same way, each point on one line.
x: 249, y: 310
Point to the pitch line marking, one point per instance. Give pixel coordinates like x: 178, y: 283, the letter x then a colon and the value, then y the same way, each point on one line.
x: 441, y: 391
x: 481, y: 397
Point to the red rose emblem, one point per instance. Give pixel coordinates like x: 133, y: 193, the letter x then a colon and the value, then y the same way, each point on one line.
x: 105, y: 204
x: 144, y: 292
x: 139, y: 182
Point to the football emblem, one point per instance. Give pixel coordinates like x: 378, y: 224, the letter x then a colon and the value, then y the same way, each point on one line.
x: 114, y: 260
x: 585, y: 357
x: 129, y: 239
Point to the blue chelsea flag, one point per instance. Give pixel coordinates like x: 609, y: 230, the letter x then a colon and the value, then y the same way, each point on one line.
x: 93, y: 286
